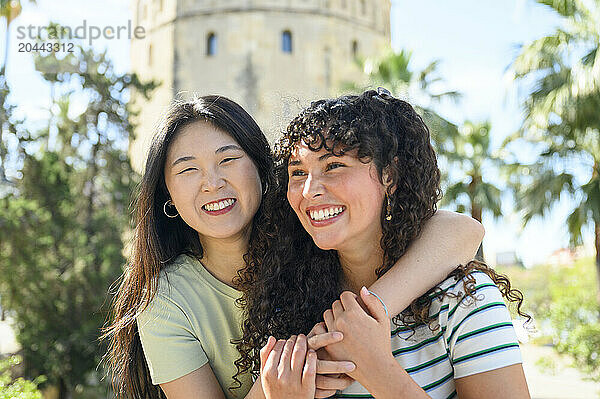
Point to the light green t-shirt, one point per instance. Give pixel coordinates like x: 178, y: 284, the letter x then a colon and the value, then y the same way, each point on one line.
x: 190, y: 322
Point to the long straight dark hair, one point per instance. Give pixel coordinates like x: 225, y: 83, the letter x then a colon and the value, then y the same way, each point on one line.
x: 158, y: 239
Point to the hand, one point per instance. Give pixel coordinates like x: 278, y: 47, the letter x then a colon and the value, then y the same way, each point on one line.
x: 358, y: 328
x: 288, y: 369
x: 327, y: 384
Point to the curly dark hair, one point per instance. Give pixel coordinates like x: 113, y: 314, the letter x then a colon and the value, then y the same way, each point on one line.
x: 291, y: 284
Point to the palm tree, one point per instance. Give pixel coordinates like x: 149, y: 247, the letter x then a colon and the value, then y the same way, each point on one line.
x: 470, y: 157
x: 393, y: 71
x: 562, y: 119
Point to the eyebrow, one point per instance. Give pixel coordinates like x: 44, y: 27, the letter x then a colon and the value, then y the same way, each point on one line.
x: 228, y: 147
x: 182, y: 159
x: 321, y: 158
x: 217, y: 151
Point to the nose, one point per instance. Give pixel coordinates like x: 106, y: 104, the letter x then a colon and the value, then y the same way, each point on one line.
x: 212, y: 181
x: 312, y: 187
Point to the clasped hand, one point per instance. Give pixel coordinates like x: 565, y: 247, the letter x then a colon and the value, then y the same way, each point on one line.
x: 291, y: 368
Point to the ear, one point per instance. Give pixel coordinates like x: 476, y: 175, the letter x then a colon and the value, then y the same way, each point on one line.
x: 386, y: 177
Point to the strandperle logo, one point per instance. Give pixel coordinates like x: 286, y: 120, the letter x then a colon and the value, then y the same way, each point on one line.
x: 84, y: 31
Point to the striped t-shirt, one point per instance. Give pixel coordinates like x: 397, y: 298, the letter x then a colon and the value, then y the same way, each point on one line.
x: 474, y: 336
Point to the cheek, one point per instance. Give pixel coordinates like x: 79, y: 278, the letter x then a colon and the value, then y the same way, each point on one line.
x: 251, y: 181
x: 363, y: 191
x: 294, y: 195
x: 176, y: 192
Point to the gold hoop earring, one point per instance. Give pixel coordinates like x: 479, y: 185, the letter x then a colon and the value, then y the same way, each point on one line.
x: 388, y: 209
x: 169, y: 203
x: 266, y: 188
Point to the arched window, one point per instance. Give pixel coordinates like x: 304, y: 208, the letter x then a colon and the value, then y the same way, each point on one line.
x: 211, y: 44
x: 354, y: 49
x: 344, y: 5
x: 363, y: 7
x: 286, y: 41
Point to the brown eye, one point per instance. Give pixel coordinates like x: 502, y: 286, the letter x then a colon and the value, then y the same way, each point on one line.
x: 185, y: 170
x: 225, y: 160
x: 334, y: 165
x: 297, y: 172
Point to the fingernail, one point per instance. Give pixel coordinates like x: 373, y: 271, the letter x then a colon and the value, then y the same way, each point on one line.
x: 349, y: 366
x: 338, y: 335
x: 365, y: 290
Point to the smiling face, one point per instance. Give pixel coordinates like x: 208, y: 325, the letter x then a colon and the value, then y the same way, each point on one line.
x: 337, y: 199
x: 213, y: 183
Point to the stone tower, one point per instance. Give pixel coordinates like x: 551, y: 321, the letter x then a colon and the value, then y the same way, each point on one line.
x: 271, y: 56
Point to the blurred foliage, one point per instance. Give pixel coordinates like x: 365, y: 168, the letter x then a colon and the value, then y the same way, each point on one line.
x: 393, y: 71
x: 17, y: 388
x: 9, y: 10
x: 562, y: 301
x: 62, y: 227
x: 469, y: 186
x: 561, y: 75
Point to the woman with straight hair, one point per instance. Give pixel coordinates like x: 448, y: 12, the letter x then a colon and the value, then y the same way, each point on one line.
x: 367, y: 161
x: 205, y: 210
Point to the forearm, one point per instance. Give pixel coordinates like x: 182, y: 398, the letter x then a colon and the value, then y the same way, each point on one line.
x: 447, y: 240
x: 393, y: 382
x: 256, y: 392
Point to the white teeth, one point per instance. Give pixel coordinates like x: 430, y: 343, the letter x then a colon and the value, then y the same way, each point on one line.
x: 218, y: 206
x: 324, y: 214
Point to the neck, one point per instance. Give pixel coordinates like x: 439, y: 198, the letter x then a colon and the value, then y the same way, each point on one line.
x: 359, y: 263
x: 224, y: 257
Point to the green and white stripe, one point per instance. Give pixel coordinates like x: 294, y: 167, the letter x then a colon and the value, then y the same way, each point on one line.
x: 473, y: 336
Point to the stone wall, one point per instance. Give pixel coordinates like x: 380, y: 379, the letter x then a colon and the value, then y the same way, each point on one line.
x: 249, y: 65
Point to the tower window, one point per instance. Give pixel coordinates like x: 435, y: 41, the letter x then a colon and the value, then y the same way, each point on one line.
x: 354, y: 48
x: 344, y: 5
x: 363, y: 7
x: 150, y: 55
x: 211, y: 44
x: 286, y: 41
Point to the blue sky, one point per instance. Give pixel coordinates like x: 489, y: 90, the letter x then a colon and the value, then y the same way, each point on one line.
x: 474, y: 39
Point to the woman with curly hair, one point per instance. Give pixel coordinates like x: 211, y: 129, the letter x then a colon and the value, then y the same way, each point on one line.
x: 362, y: 180
x: 205, y: 209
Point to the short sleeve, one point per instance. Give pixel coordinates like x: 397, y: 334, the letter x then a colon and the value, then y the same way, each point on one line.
x: 480, y: 334
x: 171, y: 348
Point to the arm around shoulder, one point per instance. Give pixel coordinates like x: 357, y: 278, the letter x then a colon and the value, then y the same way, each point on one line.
x: 447, y: 240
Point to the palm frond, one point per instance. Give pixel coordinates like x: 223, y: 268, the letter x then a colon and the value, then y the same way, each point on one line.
x: 566, y: 8
x: 538, y: 197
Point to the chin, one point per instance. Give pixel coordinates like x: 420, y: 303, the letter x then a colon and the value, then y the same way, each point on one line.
x: 326, y: 243
x: 225, y: 232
